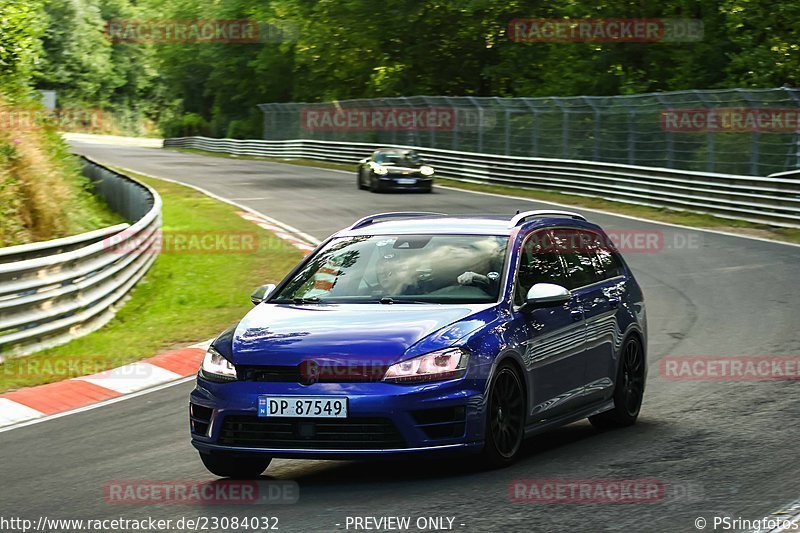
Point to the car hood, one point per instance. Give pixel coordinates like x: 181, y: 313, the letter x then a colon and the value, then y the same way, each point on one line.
x: 286, y: 334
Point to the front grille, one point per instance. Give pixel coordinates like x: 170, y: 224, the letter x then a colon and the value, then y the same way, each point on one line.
x: 312, y: 433
x: 441, y: 422
x: 306, y: 373
x: 271, y: 374
x: 200, y: 418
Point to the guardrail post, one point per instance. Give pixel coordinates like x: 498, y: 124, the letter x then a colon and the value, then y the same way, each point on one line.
x: 710, y: 159
x: 480, y: 122
x: 534, y: 126
x: 631, y: 139
x: 508, y: 132
x: 793, y: 95
x: 596, y: 129
x: 564, y: 127
x: 754, y: 136
x: 670, y: 155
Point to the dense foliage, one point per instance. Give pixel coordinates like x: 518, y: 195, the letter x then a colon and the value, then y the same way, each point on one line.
x: 339, y: 49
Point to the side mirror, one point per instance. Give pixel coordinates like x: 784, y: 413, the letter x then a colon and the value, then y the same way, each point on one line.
x: 261, y: 293
x: 362, y: 161
x: 545, y: 295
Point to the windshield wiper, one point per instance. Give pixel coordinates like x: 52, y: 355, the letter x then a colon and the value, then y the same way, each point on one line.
x: 301, y: 301
x: 387, y: 300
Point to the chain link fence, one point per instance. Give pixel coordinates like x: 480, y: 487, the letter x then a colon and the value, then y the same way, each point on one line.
x: 737, y: 131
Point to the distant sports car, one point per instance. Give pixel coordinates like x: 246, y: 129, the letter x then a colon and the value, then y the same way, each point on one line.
x: 420, y: 332
x: 394, y: 169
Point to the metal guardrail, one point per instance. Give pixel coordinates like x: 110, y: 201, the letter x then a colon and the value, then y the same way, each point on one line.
x: 737, y: 131
x: 773, y: 200
x: 54, y: 291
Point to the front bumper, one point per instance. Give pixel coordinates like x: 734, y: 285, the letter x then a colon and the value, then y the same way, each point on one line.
x: 310, y: 453
x: 444, y: 417
x: 390, y: 181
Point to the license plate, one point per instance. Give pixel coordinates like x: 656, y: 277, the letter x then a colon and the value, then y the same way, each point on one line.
x: 406, y: 181
x: 302, y: 406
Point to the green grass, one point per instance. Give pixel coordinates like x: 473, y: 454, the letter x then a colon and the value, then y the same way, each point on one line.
x: 183, y: 299
x: 43, y: 194
x: 672, y: 216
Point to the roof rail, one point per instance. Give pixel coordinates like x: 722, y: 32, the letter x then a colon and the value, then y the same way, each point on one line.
x: 366, y: 221
x: 519, y: 218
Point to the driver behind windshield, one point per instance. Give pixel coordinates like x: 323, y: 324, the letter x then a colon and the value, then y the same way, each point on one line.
x: 466, y: 261
x: 434, y: 268
x: 399, y: 159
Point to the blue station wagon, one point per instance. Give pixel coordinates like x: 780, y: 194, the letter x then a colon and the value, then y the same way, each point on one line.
x: 427, y: 333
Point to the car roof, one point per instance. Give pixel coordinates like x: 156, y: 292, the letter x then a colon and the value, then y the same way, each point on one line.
x: 454, y: 225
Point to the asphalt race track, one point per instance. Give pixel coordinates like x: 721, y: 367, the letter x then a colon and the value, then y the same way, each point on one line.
x: 732, y: 445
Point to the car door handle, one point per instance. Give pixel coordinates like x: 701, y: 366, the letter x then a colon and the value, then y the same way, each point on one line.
x: 576, y: 314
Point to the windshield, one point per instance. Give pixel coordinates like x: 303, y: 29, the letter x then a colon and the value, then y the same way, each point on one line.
x: 402, y: 268
x: 400, y: 159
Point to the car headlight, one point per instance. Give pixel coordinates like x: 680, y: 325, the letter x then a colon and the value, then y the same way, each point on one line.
x: 216, y: 368
x: 425, y: 170
x: 380, y: 170
x: 435, y: 366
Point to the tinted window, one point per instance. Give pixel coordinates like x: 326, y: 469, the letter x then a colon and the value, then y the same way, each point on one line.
x: 576, y: 249
x: 398, y: 158
x: 602, y: 251
x: 607, y: 263
x: 539, y: 263
x: 589, y: 256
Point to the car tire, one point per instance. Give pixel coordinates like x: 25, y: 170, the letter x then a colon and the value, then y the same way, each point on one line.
x: 235, y: 467
x: 359, y: 182
x: 505, y: 417
x: 628, y: 390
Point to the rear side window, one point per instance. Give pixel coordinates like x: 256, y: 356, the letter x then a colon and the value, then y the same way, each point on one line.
x: 602, y: 252
x: 589, y: 257
x: 576, y: 251
x: 607, y: 263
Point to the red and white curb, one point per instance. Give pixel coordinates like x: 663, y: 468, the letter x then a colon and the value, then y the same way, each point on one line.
x: 63, y: 396
x: 73, y: 395
x: 279, y: 232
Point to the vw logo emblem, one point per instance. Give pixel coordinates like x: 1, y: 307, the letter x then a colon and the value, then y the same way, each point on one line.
x: 309, y: 372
